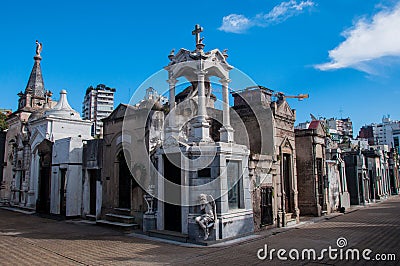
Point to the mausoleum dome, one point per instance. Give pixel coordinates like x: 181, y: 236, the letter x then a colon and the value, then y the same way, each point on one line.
x: 63, y: 109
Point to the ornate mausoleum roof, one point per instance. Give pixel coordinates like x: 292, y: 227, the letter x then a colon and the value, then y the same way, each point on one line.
x: 185, y: 62
x: 35, y: 83
x: 63, y: 109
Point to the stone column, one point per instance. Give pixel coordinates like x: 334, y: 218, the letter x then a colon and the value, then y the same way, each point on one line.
x: 202, y: 113
x: 201, y: 126
x: 226, y: 130
x: 171, y: 129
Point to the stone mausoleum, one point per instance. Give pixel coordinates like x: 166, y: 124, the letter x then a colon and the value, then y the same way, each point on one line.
x: 44, y: 151
x: 199, y: 154
x: 240, y: 155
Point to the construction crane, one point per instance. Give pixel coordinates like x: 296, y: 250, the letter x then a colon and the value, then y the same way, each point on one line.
x: 5, y: 111
x: 278, y: 95
x: 300, y: 97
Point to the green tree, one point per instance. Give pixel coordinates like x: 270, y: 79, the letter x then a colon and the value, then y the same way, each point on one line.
x: 3, y: 124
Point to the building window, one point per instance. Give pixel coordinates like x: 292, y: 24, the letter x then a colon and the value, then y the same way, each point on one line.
x: 235, y: 185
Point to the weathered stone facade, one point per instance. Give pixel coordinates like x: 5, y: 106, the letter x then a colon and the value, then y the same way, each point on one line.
x: 377, y: 163
x: 394, y: 171
x: 121, y: 193
x: 285, y: 151
x: 358, y: 181
x: 2, y: 161
x: 270, y: 129
x: 338, y: 195
x: 92, y: 184
x: 312, y: 176
x: 16, y: 177
x: 44, y: 151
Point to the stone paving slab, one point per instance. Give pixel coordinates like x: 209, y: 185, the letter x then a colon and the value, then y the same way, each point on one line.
x: 32, y: 240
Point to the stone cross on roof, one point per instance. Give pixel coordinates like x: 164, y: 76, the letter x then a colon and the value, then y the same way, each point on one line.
x: 197, y: 30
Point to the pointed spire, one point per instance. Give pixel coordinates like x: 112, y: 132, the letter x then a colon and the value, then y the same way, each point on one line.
x: 35, y: 85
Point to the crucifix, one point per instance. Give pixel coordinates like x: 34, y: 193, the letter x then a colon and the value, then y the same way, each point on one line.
x: 196, y: 31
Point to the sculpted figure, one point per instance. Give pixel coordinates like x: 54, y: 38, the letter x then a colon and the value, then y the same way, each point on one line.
x: 208, y: 214
x: 39, y: 47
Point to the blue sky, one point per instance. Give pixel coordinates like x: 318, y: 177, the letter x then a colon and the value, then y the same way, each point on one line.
x: 344, y: 53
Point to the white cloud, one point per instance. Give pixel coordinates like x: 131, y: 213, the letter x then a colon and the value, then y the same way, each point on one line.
x: 368, y: 42
x: 237, y: 23
x: 285, y: 10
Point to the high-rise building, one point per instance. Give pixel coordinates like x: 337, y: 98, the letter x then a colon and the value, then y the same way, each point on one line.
x: 367, y: 132
x: 385, y: 133
x: 98, y: 104
x: 340, y: 129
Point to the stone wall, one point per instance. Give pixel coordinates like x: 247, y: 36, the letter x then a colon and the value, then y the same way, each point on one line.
x: 270, y: 128
x: 306, y: 175
x: 310, y: 149
x: 2, y: 150
x: 353, y: 183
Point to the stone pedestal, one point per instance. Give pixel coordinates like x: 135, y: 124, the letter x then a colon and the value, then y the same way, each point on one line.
x: 171, y: 132
x: 345, y: 200
x: 31, y: 201
x: 236, y: 224
x: 201, y: 132
x: 149, y: 222
x: 226, y: 134
x: 196, y: 233
x: 2, y: 193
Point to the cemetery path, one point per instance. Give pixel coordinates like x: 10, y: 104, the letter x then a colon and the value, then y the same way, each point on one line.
x: 32, y: 240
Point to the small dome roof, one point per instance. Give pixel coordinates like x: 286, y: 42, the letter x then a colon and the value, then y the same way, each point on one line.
x: 63, y: 109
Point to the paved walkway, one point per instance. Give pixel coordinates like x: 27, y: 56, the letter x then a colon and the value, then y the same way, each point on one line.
x: 31, y: 240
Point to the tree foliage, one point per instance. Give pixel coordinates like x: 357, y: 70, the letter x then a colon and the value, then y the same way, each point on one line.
x: 3, y: 124
x: 100, y: 87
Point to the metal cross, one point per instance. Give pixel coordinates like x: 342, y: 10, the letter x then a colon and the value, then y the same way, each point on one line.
x: 196, y: 31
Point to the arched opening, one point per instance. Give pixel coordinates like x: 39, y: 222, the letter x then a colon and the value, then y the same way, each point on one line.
x: 287, y: 181
x: 125, y: 182
x: 45, y: 162
x: 19, y: 180
x: 93, y: 177
x: 172, y: 211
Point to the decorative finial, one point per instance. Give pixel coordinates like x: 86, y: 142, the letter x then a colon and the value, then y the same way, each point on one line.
x: 225, y: 53
x: 39, y: 47
x: 171, y: 54
x: 196, y: 32
x: 199, y: 41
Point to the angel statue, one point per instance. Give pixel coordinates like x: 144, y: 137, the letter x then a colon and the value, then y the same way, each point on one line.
x: 208, y: 214
x: 39, y: 47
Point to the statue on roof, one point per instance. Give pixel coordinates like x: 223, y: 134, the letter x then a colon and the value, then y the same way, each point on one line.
x: 39, y: 47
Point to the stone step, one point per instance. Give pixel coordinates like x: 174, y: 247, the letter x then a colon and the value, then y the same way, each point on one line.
x: 91, y: 217
x: 24, y: 208
x: 291, y: 222
x: 20, y: 210
x: 169, y: 235
x: 288, y: 216
x: 119, y: 226
x: 122, y: 211
x: 120, y: 218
